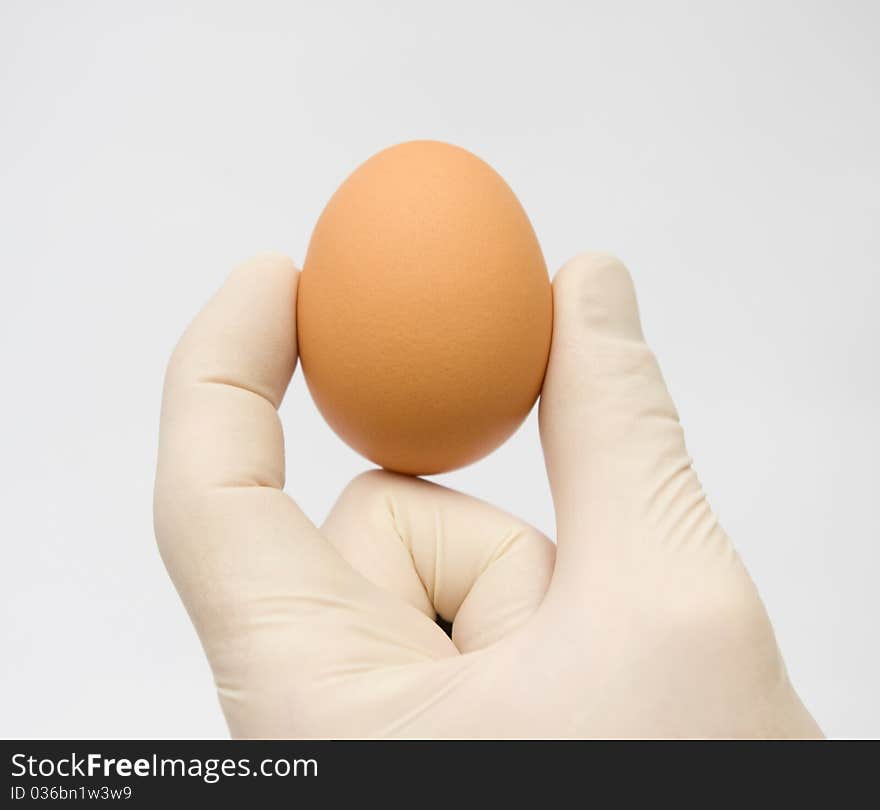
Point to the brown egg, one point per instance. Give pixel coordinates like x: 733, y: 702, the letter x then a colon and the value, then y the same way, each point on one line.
x: 424, y: 309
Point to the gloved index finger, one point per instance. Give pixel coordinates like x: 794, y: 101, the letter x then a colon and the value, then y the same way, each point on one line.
x: 227, y: 531
x: 225, y: 380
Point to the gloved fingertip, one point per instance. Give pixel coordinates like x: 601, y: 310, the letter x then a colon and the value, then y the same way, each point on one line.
x: 594, y: 292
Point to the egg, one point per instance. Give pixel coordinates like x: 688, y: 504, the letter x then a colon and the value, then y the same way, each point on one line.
x: 424, y: 309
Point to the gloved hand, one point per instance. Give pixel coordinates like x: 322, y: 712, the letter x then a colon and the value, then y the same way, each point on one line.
x: 646, y: 624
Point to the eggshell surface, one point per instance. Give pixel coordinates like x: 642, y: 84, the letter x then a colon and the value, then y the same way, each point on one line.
x: 424, y: 309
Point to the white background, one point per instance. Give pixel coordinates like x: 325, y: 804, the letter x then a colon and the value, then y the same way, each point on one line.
x: 727, y: 152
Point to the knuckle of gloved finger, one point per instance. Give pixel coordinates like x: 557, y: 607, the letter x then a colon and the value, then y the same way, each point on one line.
x: 371, y: 484
x: 182, y: 508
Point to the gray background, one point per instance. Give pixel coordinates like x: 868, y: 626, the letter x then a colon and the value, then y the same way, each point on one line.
x: 727, y: 152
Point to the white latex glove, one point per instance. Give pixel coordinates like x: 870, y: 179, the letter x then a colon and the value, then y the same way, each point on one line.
x: 645, y: 625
